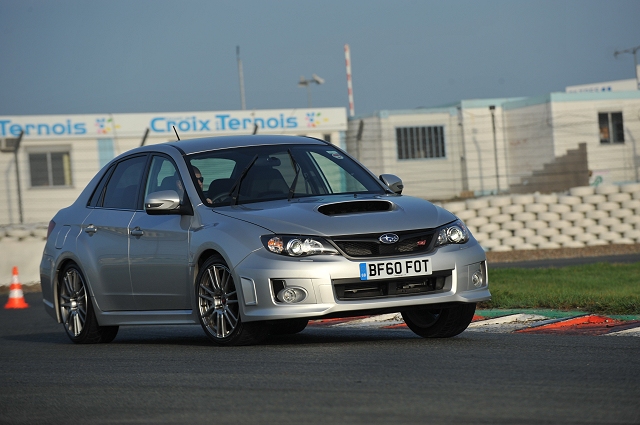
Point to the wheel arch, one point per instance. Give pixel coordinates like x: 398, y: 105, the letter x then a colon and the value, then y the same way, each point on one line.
x: 202, y: 258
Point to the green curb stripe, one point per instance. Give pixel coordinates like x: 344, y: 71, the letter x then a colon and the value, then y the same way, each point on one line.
x: 624, y: 317
x: 552, y: 314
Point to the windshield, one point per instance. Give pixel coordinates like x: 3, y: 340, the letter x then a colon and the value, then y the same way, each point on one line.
x: 255, y: 174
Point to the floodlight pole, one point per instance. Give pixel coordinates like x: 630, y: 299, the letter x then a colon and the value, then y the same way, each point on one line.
x: 241, y: 78
x: 632, y: 51
x: 307, y: 83
x: 308, y: 95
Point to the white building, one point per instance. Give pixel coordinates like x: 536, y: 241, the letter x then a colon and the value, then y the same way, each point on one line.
x: 59, y: 154
x: 469, y: 148
x: 479, y: 147
x: 618, y: 85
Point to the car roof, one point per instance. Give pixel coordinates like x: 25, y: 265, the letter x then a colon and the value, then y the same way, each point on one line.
x: 191, y: 146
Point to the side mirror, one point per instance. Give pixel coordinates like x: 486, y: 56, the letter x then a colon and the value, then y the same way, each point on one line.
x: 393, y: 182
x: 164, y: 202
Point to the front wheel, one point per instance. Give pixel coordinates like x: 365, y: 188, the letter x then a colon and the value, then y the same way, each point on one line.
x: 219, y: 309
x: 76, y: 310
x: 440, y: 322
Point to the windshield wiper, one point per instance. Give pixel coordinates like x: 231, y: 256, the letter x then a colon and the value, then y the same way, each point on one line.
x: 296, y: 167
x: 235, y: 189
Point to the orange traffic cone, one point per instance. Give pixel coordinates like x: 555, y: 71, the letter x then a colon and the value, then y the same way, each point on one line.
x: 16, y: 296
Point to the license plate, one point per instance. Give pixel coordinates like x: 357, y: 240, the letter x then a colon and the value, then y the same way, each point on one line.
x: 398, y: 268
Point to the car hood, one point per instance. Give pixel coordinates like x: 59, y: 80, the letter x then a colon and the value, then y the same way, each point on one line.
x: 341, y: 215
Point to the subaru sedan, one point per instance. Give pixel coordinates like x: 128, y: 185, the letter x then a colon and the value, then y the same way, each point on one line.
x: 250, y: 236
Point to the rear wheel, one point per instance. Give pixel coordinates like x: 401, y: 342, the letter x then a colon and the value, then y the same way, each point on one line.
x: 219, y: 309
x: 76, y: 310
x: 439, y: 323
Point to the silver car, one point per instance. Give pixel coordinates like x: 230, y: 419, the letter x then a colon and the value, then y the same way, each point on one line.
x: 251, y: 236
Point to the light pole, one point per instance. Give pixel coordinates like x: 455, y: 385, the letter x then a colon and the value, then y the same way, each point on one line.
x: 633, y: 51
x: 492, y: 108
x: 240, y: 78
x: 12, y: 145
x: 307, y: 83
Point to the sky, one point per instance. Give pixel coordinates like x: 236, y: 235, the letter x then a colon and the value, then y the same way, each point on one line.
x: 76, y: 57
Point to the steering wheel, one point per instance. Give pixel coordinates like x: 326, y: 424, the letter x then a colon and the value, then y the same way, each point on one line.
x: 220, y: 197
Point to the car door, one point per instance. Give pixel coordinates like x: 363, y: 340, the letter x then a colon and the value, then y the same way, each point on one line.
x: 159, y: 247
x: 104, y: 239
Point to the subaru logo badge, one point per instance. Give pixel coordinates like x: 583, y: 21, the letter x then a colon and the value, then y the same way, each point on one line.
x: 389, y: 238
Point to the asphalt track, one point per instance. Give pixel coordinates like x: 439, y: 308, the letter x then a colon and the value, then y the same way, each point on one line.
x: 327, y: 374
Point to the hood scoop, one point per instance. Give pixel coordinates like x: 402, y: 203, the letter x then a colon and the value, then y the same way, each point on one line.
x: 355, y: 207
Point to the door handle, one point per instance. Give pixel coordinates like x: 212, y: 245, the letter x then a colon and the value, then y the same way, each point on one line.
x: 91, y: 229
x: 137, y: 231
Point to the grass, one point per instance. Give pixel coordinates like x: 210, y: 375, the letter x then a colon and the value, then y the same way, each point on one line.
x: 595, y: 288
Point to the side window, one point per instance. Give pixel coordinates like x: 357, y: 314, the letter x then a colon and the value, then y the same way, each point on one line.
x: 214, y: 177
x: 96, y: 197
x: 163, y: 175
x: 123, y: 186
x: 213, y: 169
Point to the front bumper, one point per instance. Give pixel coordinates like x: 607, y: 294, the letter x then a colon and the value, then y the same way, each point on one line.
x: 322, y: 278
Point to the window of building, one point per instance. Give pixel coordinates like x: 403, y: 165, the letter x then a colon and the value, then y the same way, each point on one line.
x: 51, y: 168
x: 611, y: 127
x: 420, y: 142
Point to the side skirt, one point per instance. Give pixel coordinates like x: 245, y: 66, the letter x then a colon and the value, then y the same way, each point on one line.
x: 160, y: 317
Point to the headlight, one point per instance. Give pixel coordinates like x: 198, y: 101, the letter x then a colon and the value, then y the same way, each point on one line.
x: 455, y: 232
x: 298, y: 246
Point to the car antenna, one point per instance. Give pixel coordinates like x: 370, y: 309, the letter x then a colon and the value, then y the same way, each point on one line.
x: 176, y: 131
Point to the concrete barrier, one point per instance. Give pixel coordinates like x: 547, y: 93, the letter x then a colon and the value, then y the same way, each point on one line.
x: 21, y: 246
x: 585, y: 216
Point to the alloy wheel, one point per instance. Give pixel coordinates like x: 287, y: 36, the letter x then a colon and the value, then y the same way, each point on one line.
x: 73, y: 302
x: 218, y: 301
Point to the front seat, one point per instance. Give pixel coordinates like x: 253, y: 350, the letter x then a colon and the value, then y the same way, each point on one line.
x: 264, y: 182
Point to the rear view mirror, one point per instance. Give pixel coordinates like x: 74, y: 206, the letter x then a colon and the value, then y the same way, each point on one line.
x: 393, y: 182
x: 164, y: 202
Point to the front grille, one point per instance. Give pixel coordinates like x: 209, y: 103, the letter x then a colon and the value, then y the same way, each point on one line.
x: 352, y: 289
x: 365, y: 246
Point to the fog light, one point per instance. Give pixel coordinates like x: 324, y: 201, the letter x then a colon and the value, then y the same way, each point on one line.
x: 292, y: 295
x: 477, y: 279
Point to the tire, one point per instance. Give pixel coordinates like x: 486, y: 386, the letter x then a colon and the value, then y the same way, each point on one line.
x: 439, y: 323
x: 76, y: 310
x: 219, y: 308
x: 287, y: 326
